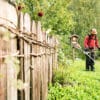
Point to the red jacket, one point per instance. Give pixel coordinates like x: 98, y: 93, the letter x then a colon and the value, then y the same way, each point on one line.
x: 91, y: 41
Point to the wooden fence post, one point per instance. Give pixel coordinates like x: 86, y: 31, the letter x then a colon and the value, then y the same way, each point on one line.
x: 38, y: 70
x: 52, y: 52
x: 8, y: 15
x: 50, y: 60
x: 11, y: 71
x: 3, y: 68
x: 44, y: 69
x: 55, y: 53
x: 34, y: 61
x: 27, y: 50
x: 21, y: 95
x: 11, y: 15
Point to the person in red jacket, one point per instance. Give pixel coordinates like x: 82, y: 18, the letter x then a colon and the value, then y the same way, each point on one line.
x: 90, y: 44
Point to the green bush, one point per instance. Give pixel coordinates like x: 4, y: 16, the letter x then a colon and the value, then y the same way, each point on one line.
x: 60, y: 75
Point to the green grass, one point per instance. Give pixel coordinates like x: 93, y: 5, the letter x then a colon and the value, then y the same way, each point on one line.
x: 78, y: 84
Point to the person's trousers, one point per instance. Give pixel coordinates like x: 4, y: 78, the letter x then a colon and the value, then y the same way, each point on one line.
x: 90, y: 62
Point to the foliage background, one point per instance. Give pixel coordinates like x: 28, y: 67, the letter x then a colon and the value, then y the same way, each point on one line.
x: 65, y: 17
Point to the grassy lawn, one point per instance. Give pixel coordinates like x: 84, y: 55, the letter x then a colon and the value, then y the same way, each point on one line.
x: 74, y: 83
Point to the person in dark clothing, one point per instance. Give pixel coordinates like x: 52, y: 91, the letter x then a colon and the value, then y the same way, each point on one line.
x: 90, y: 44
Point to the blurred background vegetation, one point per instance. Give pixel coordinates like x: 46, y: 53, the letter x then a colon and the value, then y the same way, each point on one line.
x: 63, y: 18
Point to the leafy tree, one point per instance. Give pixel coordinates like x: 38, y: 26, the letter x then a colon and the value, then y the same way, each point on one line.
x: 85, y: 16
x: 53, y: 14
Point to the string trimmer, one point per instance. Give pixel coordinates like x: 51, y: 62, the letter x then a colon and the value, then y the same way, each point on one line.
x: 77, y: 46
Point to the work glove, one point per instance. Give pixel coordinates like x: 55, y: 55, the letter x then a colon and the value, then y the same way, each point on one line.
x: 86, y: 49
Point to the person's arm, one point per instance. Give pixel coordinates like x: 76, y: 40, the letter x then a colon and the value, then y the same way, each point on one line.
x: 97, y: 43
x: 86, y: 42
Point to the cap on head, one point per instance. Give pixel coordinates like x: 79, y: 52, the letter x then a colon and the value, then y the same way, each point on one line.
x: 93, y: 31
